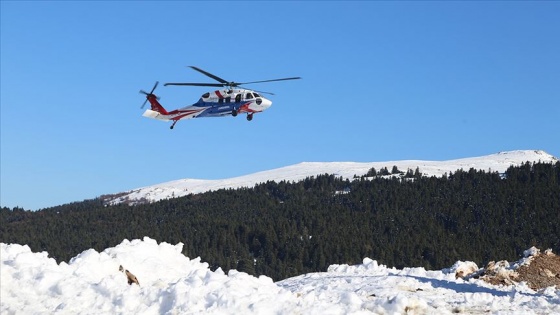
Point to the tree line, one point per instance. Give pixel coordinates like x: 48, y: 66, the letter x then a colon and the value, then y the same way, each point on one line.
x: 282, y: 229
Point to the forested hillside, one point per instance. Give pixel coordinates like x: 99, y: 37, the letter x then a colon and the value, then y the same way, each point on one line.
x: 286, y: 229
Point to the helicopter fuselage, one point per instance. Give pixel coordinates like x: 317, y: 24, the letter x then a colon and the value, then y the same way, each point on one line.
x: 225, y: 102
x: 218, y: 103
x: 231, y: 102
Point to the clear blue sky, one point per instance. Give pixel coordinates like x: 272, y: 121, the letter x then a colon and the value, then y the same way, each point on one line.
x: 381, y: 81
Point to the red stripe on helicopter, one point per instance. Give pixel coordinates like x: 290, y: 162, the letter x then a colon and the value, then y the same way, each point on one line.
x: 218, y: 93
x: 245, y: 108
x: 185, y: 112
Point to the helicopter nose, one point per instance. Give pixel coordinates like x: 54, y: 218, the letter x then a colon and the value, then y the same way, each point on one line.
x: 266, y: 103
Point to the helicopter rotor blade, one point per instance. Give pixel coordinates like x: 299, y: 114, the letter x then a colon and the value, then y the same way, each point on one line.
x: 210, y: 75
x: 154, y: 88
x: 284, y: 79
x: 144, y: 104
x: 261, y: 92
x: 224, y: 83
x: 197, y: 84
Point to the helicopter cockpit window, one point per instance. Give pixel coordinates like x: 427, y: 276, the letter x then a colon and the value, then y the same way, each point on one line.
x: 249, y: 96
x: 256, y: 95
x: 205, y: 95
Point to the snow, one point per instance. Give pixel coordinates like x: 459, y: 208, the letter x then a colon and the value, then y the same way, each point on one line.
x: 498, y: 162
x: 170, y: 283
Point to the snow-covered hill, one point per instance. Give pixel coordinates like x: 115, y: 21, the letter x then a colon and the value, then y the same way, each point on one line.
x: 498, y: 162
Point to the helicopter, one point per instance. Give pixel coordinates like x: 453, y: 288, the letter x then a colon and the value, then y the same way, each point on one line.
x: 232, y: 100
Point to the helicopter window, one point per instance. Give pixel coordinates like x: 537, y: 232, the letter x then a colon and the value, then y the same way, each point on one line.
x: 205, y: 95
x: 228, y: 99
x: 256, y: 95
x: 221, y: 100
x: 249, y: 96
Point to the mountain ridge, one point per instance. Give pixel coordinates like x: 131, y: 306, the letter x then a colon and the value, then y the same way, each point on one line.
x: 498, y: 162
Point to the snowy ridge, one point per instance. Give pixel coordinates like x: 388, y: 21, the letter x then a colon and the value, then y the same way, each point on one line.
x: 498, y: 162
x: 170, y: 283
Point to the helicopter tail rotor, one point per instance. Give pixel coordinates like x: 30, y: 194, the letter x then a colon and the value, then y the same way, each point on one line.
x: 149, y: 94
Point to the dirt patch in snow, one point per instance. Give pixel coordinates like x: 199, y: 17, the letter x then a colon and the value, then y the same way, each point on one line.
x: 542, y: 272
x: 538, y: 270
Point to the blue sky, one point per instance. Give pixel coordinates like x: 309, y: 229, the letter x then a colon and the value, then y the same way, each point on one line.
x: 382, y: 81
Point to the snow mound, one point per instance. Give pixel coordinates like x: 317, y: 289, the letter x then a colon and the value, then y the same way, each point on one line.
x: 170, y: 283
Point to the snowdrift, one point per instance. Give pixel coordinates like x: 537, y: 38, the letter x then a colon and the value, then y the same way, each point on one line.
x: 170, y: 283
